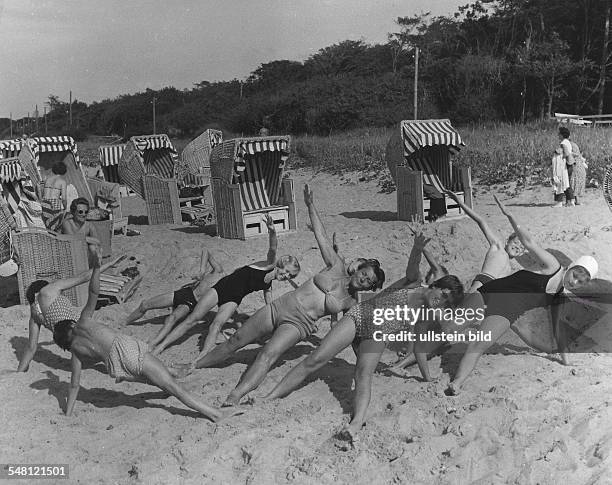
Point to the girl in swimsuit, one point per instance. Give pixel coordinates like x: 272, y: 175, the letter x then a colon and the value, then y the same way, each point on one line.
x: 226, y: 294
x: 48, y: 307
x: 76, y: 223
x: 292, y: 317
x: 508, y: 298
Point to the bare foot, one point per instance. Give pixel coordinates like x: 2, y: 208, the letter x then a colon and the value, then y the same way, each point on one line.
x: 350, y: 433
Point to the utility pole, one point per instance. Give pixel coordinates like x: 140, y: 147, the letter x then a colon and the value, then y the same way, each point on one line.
x: 11, y: 125
x: 154, y: 100
x: 70, y: 110
x: 240, y: 89
x: 45, y: 108
x: 36, y: 114
x: 28, y: 125
x: 416, y: 82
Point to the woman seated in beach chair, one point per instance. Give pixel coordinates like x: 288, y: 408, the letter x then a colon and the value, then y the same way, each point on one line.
x: 76, y: 223
x: 226, y: 294
x: 293, y: 317
x: 48, y: 307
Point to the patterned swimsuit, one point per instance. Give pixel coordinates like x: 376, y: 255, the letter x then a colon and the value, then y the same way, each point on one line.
x: 60, y: 309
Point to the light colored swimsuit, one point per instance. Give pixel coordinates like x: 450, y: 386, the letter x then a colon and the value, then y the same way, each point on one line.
x: 126, y: 357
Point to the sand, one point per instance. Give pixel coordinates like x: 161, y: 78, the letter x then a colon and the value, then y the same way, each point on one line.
x: 523, y: 417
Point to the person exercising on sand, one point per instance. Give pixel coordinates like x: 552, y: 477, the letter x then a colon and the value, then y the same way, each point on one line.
x: 183, y: 300
x: 497, y: 260
x: 229, y: 291
x: 125, y: 357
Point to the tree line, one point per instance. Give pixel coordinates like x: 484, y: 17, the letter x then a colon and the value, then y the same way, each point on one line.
x: 502, y: 60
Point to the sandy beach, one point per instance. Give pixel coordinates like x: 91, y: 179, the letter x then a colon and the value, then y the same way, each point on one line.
x: 523, y: 417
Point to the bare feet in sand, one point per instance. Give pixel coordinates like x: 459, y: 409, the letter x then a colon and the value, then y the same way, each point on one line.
x: 350, y: 433
x: 228, y: 413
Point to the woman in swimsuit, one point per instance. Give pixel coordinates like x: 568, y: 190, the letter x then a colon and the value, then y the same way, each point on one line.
x: 292, y: 317
x: 226, y: 294
x: 48, y: 307
x: 508, y: 298
x: 54, y: 197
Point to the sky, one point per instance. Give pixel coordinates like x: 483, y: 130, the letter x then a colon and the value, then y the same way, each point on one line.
x: 101, y: 49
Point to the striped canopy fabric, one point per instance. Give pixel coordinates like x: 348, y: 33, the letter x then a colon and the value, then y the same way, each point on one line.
x: 110, y: 155
x: 259, y: 165
x: 420, y: 134
x: 607, y: 186
x: 10, y: 170
x: 40, y: 144
x: 251, y: 147
x: 216, y: 137
x: 152, y: 142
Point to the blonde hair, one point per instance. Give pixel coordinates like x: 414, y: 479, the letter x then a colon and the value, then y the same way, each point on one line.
x: 288, y: 260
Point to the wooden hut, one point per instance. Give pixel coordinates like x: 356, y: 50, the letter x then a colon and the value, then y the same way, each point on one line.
x: 247, y: 183
x: 418, y: 155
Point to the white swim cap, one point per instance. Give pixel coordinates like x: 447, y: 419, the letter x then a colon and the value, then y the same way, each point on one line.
x: 588, y: 263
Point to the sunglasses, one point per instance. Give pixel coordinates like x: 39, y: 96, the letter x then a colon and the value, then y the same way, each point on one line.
x: 83, y: 212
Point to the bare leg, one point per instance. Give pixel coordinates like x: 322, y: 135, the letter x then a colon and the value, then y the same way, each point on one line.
x: 285, y: 337
x: 257, y: 326
x: 338, y: 338
x: 224, y: 313
x: 208, y: 301
x: 159, y: 301
x: 170, y: 321
x: 157, y: 374
x: 495, y: 324
x: 367, y: 360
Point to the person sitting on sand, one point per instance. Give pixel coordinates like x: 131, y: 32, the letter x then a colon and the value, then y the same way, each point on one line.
x: 125, y: 357
x: 497, y: 260
x: 508, y: 298
x: 293, y: 317
x: 48, y: 307
x: 363, y: 327
x: 76, y: 223
x: 54, y: 197
x: 227, y: 294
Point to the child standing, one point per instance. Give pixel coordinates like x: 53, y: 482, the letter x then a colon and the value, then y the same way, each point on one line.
x: 560, y: 177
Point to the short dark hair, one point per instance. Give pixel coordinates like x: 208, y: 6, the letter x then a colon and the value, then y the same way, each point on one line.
x: 378, y: 272
x: 79, y: 201
x: 34, y: 288
x: 63, y: 334
x: 59, y: 168
x: 452, y: 283
x: 564, y: 132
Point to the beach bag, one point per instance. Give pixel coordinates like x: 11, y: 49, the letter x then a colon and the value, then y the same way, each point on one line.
x: 10, y: 267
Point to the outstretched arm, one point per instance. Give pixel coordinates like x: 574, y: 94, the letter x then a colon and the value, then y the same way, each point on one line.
x: 94, y: 289
x: 79, y: 279
x: 273, y: 240
x: 548, y: 260
x: 75, y: 381
x: 28, y: 355
x: 325, y: 246
x: 489, y: 233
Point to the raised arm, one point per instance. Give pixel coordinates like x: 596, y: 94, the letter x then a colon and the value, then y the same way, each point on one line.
x: 28, y: 355
x: 94, y: 289
x: 273, y: 240
x: 75, y: 381
x: 489, y: 233
x: 325, y: 246
x: 413, y: 272
x: 548, y: 260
